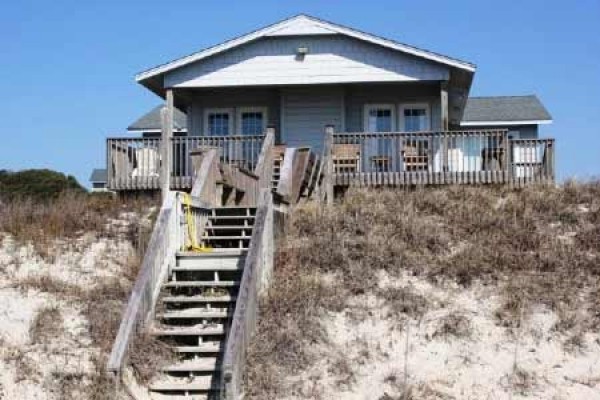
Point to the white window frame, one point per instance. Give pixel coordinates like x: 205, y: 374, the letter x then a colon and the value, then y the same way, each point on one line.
x: 241, y: 110
x: 369, y: 107
x: 404, y: 106
x: 209, y: 111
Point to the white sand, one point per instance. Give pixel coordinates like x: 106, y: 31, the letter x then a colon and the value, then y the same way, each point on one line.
x: 32, y: 370
x: 481, y: 366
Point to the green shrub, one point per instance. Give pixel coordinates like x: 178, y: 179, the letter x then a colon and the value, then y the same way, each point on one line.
x: 38, y: 184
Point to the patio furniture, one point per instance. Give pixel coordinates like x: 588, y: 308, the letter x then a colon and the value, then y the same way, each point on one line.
x: 415, y: 155
x: 346, y: 158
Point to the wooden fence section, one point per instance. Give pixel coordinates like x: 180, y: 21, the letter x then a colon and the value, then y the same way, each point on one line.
x: 164, y: 242
x: 532, y: 160
x: 135, y: 163
x: 450, y: 157
x: 257, y: 272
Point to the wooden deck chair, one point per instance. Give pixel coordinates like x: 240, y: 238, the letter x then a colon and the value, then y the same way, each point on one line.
x: 346, y: 158
x: 415, y: 154
x: 147, y: 162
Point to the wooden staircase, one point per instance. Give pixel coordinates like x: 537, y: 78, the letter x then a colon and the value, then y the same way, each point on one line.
x: 196, y: 304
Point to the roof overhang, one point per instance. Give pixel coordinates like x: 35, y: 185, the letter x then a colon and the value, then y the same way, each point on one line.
x: 505, y: 123
x: 298, y: 25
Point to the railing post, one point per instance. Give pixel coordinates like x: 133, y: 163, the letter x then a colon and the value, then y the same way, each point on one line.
x: 445, y: 127
x: 109, y: 166
x: 264, y: 165
x: 166, y: 114
x: 552, y: 160
x: 329, y: 130
x: 507, y: 157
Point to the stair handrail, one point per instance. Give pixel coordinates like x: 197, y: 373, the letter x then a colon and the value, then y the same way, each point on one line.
x: 285, y: 186
x: 293, y: 173
x: 164, y: 243
x: 206, y: 165
x: 258, y: 267
x: 264, y: 165
x: 325, y: 188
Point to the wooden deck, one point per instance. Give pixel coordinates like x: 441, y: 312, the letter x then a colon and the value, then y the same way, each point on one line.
x: 438, y: 158
x: 136, y: 163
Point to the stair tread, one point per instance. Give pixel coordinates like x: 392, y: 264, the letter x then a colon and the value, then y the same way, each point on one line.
x: 203, y: 364
x: 200, y: 330
x: 234, y: 207
x: 198, y: 299
x: 207, y: 268
x: 209, y: 347
x: 194, y: 313
x: 218, y: 237
x: 224, y: 253
x: 161, y: 396
x: 175, y: 284
x: 167, y: 383
x: 229, y: 227
x: 232, y: 217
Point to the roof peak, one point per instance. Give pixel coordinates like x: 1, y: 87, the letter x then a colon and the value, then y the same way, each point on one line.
x: 320, y: 26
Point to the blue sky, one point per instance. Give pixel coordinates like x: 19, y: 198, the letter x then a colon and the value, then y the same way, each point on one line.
x: 67, y: 67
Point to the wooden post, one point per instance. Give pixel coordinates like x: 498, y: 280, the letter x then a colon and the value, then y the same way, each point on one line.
x: 166, y: 114
x: 444, y: 125
x: 271, y: 132
x: 329, y: 130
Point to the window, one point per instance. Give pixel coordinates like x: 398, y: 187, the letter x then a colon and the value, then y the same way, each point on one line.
x: 218, y: 122
x: 414, y: 117
x: 379, y: 118
x: 252, y: 120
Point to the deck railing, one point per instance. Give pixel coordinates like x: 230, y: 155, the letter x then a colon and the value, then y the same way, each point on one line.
x: 135, y: 163
x: 408, y: 158
x: 532, y: 160
x: 258, y: 268
x: 164, y: 242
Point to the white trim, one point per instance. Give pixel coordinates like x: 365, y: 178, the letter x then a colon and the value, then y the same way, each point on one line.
x: 404, y: 106
x: 153, y: 130
x: 240, y: 110
x: 504, y: 123
x: 370, y: 106
x: 208, y: 111
x: 317, y: 23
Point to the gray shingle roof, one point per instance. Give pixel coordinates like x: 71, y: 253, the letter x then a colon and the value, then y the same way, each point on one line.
x: 505, y: 108
x: 151, y: 120
x: 98, y: 175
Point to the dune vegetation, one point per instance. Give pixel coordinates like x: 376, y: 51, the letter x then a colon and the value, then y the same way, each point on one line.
x: 435, y: 293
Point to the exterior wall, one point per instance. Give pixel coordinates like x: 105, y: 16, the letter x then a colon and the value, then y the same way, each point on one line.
x: 331, y: 59
x: 357, y: 96
x: 300, y: 113
x: 231, y: 98
x: 306, y: 111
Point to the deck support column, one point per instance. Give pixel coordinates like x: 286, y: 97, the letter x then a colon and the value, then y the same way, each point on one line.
x: 166, y: 114
x: 329, y: 130
x: 444, y: 122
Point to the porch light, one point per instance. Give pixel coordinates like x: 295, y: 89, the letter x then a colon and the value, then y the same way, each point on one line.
x: 302, y: 51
